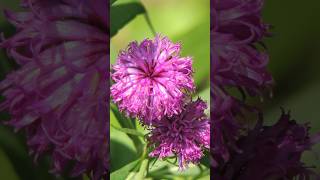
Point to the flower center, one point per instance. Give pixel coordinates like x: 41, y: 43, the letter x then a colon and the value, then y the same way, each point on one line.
x: 150, y: 71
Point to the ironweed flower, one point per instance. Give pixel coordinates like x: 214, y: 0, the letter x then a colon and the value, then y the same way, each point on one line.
x: 270, y: 152
x: 237, y: 63
x: 265, y: 152
x: 151, y: 79
x: 59, y: 94
x: 184, y: 135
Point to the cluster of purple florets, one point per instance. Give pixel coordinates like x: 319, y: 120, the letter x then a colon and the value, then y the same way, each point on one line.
x: 154, y: 83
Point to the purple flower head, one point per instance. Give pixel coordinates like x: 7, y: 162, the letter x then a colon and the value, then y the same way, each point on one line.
x: 237, y: 63
x: 151, y: 79
x: 59, y: 94
x: 270, y: 152
x: 183, y: 135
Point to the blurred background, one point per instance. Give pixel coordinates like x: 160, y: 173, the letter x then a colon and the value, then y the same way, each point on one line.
x: 187, y: 22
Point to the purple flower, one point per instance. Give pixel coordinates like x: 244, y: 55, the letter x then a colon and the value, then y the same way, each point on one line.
x: 237, y: 63
x: 59, y: 95
x: 270, y: 152
x: 183, y: 135
x: 236, y: 28
x: 151, y: 79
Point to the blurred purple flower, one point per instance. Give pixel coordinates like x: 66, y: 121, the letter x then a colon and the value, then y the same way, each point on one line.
x: 236, y: 63
x: 270, y: 152
x: 184, y: 135
x: 151, y: 79
x: 59, y: 95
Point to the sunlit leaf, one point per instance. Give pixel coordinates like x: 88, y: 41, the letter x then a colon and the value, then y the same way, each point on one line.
x: 112, y: 1
x: 123, y: 172
x: 123, y: 121
x: 129, y: 131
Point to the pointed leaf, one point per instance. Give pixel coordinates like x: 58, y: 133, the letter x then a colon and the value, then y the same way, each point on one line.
x: 123, y: 14
x: 112, y: 1
x: 128, y: 131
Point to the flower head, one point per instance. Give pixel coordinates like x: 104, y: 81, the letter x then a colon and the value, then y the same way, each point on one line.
x: 270, y: 152
x: 151, y: 79
x: 236, y: 60
x: 184, y: 135
x: 59, y: 94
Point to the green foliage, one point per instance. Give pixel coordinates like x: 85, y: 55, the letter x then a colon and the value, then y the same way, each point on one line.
x: 123, y: 172
x: 112, y: 1
x: 7, y: 172
x: 123, y: 14
x: 128, y: 131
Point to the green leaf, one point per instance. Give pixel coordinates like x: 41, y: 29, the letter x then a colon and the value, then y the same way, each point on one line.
x: 205, y: 160
x: 123, y: 172
x: 128, y: 131
x: 127, y: 123
x: 121, y: 152
x: 85, y: 177
x: 7, y: 170
x: 123, y: 14
x: 123, y: 121
x: 112, y: 1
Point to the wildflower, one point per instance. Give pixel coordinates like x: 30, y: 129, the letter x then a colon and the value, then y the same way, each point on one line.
x: 184, y: 135
x: 59, y: 95
x: 151, y: 79
x: 270, y: 152
x: 265, y: 152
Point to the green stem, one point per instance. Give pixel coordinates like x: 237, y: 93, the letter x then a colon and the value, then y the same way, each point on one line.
x: 143, y: 168
x: 144, y: 165
x: 146, y: 16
